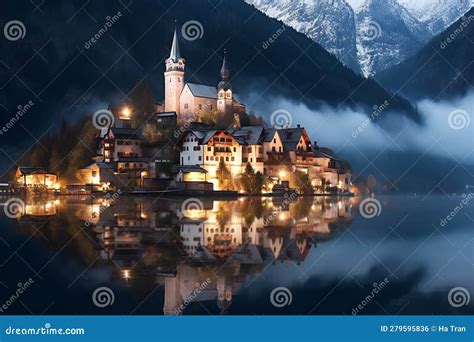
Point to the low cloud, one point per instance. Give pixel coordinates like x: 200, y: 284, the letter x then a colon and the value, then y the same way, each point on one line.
x: 447, y: 130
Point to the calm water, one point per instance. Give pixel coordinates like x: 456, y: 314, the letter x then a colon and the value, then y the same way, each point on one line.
x: 203, y: 256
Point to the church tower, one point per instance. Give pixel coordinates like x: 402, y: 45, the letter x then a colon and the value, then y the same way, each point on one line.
x: 224, y: 90
x: 174, y: 77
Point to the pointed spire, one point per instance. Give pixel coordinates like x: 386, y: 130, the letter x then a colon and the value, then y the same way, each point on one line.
x: 175, y: 54
x: 224, y: 68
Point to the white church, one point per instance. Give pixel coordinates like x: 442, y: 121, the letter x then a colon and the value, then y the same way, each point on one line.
x: 189, y: 99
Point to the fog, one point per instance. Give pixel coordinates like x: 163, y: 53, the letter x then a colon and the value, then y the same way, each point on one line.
x: 446, y: 130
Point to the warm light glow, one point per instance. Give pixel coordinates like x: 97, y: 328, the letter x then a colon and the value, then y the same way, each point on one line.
x: 95, y: 180
x: 282, y: 174
x: 126, y: 274
x: 282, y: 217
x: 57, y: 186
x: 126, y: 112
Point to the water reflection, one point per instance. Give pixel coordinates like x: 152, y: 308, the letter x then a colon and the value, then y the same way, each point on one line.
x: 200, y: 251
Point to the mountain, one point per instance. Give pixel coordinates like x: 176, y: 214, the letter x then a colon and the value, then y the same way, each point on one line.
x: 329, y: 23
x: 366, y: 35
x: 437, y: 15
x: 386, y: 34
x: 442, y: 69
x: 70, y: 66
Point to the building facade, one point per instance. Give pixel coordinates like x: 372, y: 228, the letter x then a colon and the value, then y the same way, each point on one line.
x: 188, y: 100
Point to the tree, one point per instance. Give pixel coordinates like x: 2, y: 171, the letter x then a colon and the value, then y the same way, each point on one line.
x: 251, y: 181
x: 303, y: 183
x: 223, y: 174
x: 143, y: 102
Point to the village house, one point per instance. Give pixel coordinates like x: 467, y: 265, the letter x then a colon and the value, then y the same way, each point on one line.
x: 276, y: 153
x: 279, y: 154
x: 35, y: 177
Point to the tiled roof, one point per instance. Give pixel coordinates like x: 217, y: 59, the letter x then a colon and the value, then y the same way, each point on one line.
x: 165, y: 114
x: 290, y: 137
x: 27, y: 170
x: 127, y: 133
x: 191, y: 168
x: 250, y: 134
x: 268, y: 134
x: 201, y: 90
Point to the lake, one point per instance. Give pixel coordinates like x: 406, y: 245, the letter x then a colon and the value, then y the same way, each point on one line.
x: 120, y: 254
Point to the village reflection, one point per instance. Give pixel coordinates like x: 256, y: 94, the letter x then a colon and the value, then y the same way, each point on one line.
x: 201, y: 250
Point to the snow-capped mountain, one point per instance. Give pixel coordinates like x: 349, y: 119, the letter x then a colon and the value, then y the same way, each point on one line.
x: 367, y: 35
x: 437, y: 15
x: 328, y: 22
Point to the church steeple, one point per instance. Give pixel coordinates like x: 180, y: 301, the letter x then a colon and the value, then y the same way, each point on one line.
x: 174, y: 77
x: 224, y: 84
x: 175, y: 54
x: 225, y: 99
x: 224, y: 68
